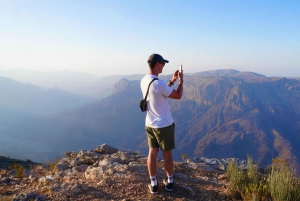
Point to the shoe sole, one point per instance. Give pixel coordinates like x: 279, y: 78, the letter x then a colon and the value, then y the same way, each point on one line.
x: 152, y: 192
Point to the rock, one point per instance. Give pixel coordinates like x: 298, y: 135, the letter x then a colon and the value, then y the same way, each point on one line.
x: 222, y: 177
x: 181, y: 176
x: 96, y: 164
x: 190, y: 189
x: 110, y: 174
x: 68, y: 172
x: 61, y: 167
x: 75, y: 189
x: 105, y: 162
x: 33, y: 179
x: 55, y: 187
x: 68, y: 153
x: 43, y: 167
x: 94, y: 172
x: 45, y: 180
x: 110, y: 171
x: 26, y: 173
x: 80, y: 168
x: 105, y: 149
x: 27, y: 197
x: 12, y: 173
x: 65, y: 161
x: 79, y: 161
x: 239, y: 162
x: 125, y: 157
x: 19, y: 197
x: 5, y: 180
x: 211, y: 162
x: 137, y: 167
x: 68, y: 178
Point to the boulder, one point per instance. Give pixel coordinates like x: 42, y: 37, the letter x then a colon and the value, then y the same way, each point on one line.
x: 94, y: 172
x: 106, y: 149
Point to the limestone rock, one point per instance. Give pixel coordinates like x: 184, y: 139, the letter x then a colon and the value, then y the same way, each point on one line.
x: 105, y: 149
x: 61, y: 167
x: 94, y: 172
x: 110, y: 174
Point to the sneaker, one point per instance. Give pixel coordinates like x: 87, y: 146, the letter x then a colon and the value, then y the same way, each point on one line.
x: 168, y: 186
x: 153, y: 189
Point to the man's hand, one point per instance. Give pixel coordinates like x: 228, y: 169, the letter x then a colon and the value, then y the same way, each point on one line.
x: 180, y: 75
x: 175, y: 76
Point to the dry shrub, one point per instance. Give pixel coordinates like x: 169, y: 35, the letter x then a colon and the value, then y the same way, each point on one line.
x: 51, y: 164
x: 279, y: 184
x: 19, y: 169
x: 247, y: 184
x: 283, y: 184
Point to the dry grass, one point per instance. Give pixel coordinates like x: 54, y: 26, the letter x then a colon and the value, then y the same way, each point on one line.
x: 6, y: 198
x: 19, y: 169
x: 44, y: 191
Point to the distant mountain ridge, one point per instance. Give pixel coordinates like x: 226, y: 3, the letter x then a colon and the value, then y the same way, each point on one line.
x: 222, y: 114
x: 79, y: 83
x: 27, y: 98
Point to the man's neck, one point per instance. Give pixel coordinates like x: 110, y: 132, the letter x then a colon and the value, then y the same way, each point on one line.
x: 153, y: 73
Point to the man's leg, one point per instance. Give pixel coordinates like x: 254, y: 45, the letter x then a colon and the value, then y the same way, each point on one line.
x: 168, y: 159
x: 169, y: 166
x: 152, y: 161
x: 152, y: 169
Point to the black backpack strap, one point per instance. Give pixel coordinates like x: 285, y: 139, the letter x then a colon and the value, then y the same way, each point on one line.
x: 149, y: 87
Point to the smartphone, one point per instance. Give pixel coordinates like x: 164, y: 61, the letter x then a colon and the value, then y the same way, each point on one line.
x: 180, y: 68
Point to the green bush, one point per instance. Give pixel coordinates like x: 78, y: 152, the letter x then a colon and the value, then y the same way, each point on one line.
x: 183, y: 157
x: 19, y: 169
x: 256, y: 187
x: 237, y: 180
x: 51, y: 164
x: 280, y: 183
x: 283, y: 184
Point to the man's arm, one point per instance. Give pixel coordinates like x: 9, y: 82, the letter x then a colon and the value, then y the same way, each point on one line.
x: 177, y: 94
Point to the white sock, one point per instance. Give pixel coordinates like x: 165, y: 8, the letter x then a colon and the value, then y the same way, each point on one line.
x: 153, y: 180
x: 170, y: 179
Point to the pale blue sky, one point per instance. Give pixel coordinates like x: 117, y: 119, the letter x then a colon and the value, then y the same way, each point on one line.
x: 116, y: 37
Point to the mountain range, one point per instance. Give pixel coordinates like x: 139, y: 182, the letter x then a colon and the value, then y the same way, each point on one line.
x: 222, y: 114
x: 83, y: 84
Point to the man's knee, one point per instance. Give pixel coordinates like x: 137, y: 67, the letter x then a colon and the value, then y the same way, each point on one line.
x: 167, y: 154
x: 153, y: 151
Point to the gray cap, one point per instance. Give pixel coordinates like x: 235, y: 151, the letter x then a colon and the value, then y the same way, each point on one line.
x: 153, y: 58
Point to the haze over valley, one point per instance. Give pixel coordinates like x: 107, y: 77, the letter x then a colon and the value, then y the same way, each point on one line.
x: 223, y: 113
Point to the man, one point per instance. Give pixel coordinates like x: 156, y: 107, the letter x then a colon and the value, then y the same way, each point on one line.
x: 159, y: 122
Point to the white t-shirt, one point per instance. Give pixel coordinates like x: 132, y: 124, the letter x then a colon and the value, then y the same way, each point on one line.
x: 158, y: 111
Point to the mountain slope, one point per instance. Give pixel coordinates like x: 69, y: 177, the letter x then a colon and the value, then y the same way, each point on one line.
x: 231, y: 115
x: 234, y: 116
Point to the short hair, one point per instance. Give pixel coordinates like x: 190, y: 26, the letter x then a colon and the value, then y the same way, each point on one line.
x: 152, y: 65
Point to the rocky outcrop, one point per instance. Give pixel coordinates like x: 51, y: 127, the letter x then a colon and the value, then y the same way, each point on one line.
x: 105, y: 173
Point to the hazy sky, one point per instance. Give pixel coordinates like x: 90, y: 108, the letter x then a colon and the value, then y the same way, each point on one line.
x: 116, y: 37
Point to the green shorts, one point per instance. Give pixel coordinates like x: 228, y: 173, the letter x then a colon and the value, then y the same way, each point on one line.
x: 161, y: 137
